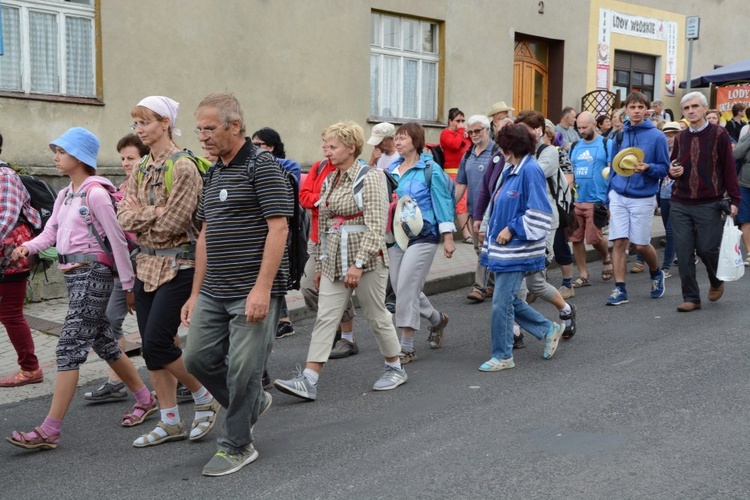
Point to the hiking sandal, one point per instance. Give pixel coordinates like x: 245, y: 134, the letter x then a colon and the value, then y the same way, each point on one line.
x: 581, y: 282
x: 607, y: 273
x: 41, y: 442
x: 207, y: 423
x: 140, y: 413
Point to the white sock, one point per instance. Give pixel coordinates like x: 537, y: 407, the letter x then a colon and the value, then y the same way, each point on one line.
x: 516, y: 330
x: 199, y: 429
x: 394, y: 364
x: 407, y: 343
x: 348, y: 336
x: 565, y: 310
x: 202, y: 396
x: 311, y: 375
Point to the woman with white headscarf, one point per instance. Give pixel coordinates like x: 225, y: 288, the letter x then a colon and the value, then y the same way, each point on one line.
x: 163, y: 194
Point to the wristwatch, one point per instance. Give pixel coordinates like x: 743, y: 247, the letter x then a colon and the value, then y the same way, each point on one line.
x: 359, y: 264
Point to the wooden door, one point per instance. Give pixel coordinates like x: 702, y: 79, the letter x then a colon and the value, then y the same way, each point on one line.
x: 530, y: 76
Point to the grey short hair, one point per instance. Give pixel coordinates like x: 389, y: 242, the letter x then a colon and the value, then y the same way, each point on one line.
x: 657, y: 101
x: 481, y: 119
x: 694, y: 95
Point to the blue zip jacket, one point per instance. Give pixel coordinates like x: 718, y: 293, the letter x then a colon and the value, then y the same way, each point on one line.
x: 652, y: 141
x: 438, y: 211
x: 522, y: 206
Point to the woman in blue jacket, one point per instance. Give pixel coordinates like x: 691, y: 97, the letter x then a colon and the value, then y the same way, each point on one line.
x: 410, y: 266
x: 519, y: 219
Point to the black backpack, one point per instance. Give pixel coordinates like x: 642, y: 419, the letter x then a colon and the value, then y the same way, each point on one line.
x: 42, y: 199
x: 299, y: 227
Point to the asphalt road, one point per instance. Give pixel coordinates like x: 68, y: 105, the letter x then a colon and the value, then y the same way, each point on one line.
x: 643, y: 402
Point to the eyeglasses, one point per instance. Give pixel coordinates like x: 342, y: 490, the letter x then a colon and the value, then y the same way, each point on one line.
x: 208, y: 132
x: 259, y: 144
x: 475, y: 132
x: 139, y: 125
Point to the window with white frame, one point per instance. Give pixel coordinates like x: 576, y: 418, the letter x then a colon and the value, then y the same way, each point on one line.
x: 404, y: 58
x: 49, y: 47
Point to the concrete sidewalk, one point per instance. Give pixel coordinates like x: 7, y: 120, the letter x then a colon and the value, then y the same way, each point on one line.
x: 46, y: 318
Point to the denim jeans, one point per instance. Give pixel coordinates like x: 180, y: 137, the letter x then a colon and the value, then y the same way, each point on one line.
x: 507, y: 307
x: 228, y: 355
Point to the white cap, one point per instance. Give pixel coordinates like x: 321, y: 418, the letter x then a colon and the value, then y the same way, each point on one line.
x: 380, y: 132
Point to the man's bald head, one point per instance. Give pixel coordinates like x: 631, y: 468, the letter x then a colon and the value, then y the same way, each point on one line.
x: 586, y: 123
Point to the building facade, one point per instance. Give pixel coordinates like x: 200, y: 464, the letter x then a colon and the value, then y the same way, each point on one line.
x: 300, y: 65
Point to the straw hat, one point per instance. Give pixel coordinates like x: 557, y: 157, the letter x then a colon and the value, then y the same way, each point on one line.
x: 671, y: 127
x: 605, y: 173
x: 499, y: 107
x: 627, y: 160
x: 407, y: 221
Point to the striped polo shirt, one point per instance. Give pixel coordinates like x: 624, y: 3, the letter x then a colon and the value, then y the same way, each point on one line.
x: 235, y: 204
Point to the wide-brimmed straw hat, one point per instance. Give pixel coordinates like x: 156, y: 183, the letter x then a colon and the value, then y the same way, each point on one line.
x: 627, y: 160
x: 499, y: 107
x: 671, y: 127
x: 407, y: 221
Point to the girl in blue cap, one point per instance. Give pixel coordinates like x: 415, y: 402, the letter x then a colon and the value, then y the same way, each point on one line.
x: 81, y: 210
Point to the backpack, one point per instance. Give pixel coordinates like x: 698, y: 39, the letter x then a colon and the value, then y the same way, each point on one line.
x: 562, y: 195
x: 448, y: 181
x: 42, y: 199
x: 115, y: 197
x: 436, y: 150
x: 299, y: 225
x: 202, y: 164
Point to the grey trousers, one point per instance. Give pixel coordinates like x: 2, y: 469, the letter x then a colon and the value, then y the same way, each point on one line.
x: 308, y: 290
x: 408, y: 272
x: 227, y: 355
x: 696, y: 228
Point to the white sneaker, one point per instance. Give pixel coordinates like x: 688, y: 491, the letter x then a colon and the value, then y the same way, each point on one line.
x: 391, y: 378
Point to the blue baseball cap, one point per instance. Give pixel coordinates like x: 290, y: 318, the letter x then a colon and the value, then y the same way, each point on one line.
x: 80, y: 144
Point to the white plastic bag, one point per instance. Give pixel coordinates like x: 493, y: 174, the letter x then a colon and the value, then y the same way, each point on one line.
x: 731, y: 267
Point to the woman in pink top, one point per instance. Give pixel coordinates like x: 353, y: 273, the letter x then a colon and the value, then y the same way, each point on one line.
x: 82, y: 208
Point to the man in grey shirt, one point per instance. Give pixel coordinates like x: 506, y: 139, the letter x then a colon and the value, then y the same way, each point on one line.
x: 567, y: 127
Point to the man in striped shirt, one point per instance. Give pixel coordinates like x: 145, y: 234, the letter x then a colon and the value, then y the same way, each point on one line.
x: 241, y: 276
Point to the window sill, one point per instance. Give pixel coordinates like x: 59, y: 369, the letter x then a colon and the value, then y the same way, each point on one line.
x: 92, y: 101
x: 401, y: 121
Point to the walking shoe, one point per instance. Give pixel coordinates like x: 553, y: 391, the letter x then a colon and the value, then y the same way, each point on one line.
x: 495, y: 365
x: 567, y: 292
x: 23, y: 377
x: 108, y: 391
x: 617, y: 297
x: 475, y: 295
x: 490, y: 292
x: 715, y: 293
x: 284, y: 329
x: 391, y: 378
x: 518, y: 342
x: 298, y: 386
x: 638, y: 267
x: 437, y: 333
x: 551, y: 340
x: 657, y: 285
x: 688, y: 306
x: 344, y: 348
x: 183, y: 393
x: 407, y: 356
x: 224, y: 463
x: 666, y: 272
x: 570, y: 330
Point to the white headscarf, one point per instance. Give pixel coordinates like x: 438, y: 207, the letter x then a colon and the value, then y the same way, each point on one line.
x: 163, y: 106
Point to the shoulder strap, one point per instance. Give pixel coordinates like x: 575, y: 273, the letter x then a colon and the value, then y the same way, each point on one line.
x: 540, y: 148
x: 572, y: 146
x: 322, y: 165
x: 170, y: 164
x: 606, y: 152
x: 358, y: 185
x: 428, y: 174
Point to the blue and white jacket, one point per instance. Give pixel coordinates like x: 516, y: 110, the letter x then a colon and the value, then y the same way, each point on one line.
x: 521, y: 205
x: 436, y: 204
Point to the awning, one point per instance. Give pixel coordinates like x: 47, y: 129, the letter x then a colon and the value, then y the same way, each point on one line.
x: 736, y: 71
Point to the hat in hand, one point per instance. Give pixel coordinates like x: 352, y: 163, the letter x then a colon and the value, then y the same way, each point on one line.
x: 407, y: 221
x: 627, y: 160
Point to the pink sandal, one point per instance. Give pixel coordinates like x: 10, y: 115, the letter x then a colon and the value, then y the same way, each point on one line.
x: 140, y: 413
x: 40, y: 442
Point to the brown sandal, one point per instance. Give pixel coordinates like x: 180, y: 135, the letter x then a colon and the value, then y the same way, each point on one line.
x: 607, y: 273
x: 140, y: 413
x: 41, y: 442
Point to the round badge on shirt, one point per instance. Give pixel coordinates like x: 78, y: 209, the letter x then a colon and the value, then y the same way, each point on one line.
x: 223, y: 195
